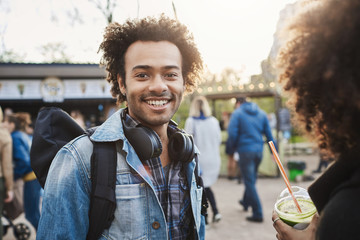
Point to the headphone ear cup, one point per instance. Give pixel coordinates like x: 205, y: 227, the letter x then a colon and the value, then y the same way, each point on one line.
x: 181, y: 147
x: 144, y: 140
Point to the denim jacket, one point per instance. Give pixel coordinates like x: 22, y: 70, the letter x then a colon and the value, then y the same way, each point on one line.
x: 138, y: 213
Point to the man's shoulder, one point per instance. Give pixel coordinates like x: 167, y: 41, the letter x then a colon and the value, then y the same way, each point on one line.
x: 82, y: 140
x: 111, y: 130
x: 80, y: 147
x: 238, y: 111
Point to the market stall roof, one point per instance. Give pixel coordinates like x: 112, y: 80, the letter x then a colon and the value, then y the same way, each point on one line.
x: 61, y: 70
x: 30, y: 86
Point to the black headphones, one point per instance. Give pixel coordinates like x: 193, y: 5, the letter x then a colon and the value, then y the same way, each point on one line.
x: 147, y: 143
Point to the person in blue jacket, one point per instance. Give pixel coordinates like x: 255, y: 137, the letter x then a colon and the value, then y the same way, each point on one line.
x: 248, y: 124
x: 151, y: 63
x: 17, y: 124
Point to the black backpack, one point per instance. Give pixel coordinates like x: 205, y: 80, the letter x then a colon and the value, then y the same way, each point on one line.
x: 53, y: 129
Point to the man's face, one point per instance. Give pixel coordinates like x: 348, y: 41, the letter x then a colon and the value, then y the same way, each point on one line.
x: 154, y: 81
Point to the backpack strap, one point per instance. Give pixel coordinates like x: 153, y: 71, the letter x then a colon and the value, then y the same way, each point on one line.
x: 200, y: 183
x: 103, y: 181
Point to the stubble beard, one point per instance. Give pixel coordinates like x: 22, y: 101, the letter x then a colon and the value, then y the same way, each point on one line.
x: 154, y: 120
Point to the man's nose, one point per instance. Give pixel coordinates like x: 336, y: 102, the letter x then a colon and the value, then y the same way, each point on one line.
x: 158, y: 84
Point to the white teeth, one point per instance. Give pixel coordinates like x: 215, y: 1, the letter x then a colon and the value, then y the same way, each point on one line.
x: 157, y: 103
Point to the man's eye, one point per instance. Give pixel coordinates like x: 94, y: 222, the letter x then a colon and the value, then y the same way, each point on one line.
x: 141, y: 75
x: 171, y: 75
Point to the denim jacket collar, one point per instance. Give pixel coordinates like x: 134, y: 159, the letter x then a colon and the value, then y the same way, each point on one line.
x: 111, y: 130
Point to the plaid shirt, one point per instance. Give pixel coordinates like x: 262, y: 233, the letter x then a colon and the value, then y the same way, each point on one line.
x: 173, y: 193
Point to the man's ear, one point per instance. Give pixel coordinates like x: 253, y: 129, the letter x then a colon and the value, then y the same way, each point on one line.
x: 121, y: 85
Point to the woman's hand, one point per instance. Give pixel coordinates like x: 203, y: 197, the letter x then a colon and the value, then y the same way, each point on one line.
x: 286, y: 232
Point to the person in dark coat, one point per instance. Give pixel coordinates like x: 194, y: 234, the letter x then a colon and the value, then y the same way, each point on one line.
x: 321, y: 70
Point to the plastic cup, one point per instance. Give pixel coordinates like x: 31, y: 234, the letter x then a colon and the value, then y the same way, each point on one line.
x: 287, y: 211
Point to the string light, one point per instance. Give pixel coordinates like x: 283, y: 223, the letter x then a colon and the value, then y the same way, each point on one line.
x: 231, y: 83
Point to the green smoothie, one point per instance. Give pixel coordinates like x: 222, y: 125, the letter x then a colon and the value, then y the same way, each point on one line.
x: 287, y: 211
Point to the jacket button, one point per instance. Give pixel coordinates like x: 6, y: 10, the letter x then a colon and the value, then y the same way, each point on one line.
x: 155, y: 225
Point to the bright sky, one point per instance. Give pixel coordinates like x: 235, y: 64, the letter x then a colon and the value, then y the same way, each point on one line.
x: 229, y: 33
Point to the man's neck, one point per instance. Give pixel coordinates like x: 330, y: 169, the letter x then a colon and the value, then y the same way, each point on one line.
x: 164, y: 138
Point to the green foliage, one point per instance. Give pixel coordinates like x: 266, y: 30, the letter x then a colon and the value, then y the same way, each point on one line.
x: 221, y: 106
x: 298, y: 138
x: 266, y: 103
x: 183, y: 112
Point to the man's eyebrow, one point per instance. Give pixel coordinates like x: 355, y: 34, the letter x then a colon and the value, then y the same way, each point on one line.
x: 149, y: 67
x: 171, y: 67
x: 141, y: 67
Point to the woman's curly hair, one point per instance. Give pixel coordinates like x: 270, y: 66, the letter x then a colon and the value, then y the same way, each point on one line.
x: 321, y: 69
x: 118, y: 37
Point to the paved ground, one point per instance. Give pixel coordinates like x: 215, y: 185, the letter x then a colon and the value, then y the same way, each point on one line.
x: 233, y: 224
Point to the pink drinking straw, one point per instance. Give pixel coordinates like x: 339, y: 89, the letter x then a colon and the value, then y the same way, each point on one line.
x: 278, y: 162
